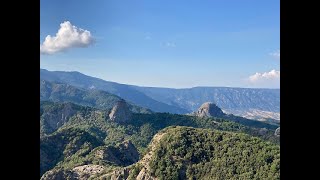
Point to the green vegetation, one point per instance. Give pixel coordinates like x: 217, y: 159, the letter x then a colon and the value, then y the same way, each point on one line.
x: 65, y: 144
x: 152, y: 123
x: 75, y: 130
x: 189, y: 153
x: 72, y: 134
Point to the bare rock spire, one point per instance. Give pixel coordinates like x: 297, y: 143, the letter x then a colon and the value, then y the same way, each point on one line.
x: 120, y: 112
x: 209, y: 109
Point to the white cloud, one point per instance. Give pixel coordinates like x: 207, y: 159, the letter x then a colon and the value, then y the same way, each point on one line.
x: 147, y: 38
x: 276, y: 54
x: 170, y: 44
x: 259, y: 77
x: 68, y: 36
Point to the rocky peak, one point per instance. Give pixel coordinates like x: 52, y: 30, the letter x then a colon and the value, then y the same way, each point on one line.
x: 209, y: 109
x: 120, y: 112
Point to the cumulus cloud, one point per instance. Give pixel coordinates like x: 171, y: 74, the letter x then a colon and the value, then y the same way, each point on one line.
x: 271, y: 75
x: 276, y: 54
x: 67, y: 37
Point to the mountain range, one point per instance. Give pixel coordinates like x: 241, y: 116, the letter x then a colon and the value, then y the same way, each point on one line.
x: 126, y: 92
x: 249, y: 102
x: 258, y: 104
x: 91, y: 133
x: 60, y: 92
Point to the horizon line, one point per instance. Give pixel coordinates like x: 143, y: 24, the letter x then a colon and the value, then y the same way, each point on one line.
x: 144, y: 86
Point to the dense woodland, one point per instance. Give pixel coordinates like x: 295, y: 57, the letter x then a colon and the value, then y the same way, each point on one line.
x: 189, y: 153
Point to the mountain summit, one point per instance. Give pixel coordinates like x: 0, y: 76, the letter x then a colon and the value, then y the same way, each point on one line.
x: 209, y: 109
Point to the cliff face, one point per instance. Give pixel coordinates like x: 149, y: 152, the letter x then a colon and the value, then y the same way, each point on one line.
x: 54, y: 118
x: 120, y: 112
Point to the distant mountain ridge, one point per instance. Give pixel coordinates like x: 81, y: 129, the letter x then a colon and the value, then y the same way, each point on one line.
x: 124, y: 91
x: 210, y: 109
x: 247, y: 102
x: 60, y: 92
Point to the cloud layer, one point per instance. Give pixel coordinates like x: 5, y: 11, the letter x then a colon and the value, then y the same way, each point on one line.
x: 259, y: 77
x: 67, y: 37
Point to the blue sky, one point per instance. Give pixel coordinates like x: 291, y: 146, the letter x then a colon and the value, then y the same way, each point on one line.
x: 167, y: 43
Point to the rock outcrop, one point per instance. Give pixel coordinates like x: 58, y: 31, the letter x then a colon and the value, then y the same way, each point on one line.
x: 144, y: 173
x: 78, y: 173
x: 122, y: 155
x: 85, y: 171
x: 120, y: 112
x: 209, y: 109
x: 54, y: 118
x: 59, y: 174
x: 144, y: 170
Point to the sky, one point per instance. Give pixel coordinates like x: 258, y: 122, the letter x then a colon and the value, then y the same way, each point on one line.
x: 167, y: 43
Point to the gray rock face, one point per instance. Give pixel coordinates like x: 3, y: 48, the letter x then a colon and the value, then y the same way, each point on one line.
x: 123, y: 155
x: 120, y: 112
x: 277, y: 132
x: 85, y: 171
x: 55, y: 119
x: 59, y: 174
x: 78, y: 173
x: 209, y: 109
